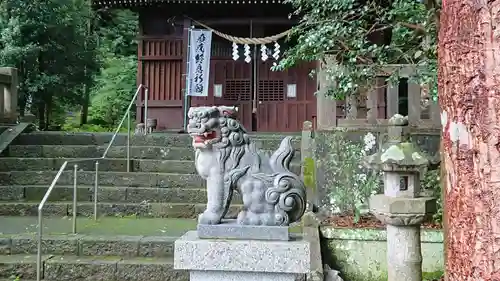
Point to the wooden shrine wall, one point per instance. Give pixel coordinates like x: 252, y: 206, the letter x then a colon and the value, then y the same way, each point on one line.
x: 162, y: 65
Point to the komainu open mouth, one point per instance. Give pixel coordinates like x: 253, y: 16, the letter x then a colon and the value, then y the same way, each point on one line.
x: 202, y: 138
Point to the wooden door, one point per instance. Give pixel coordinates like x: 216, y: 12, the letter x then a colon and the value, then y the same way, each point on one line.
x: 285, y: 99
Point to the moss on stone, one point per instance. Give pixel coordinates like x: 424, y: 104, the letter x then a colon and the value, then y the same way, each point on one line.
x: 368, y: 234
x: 432, y: 275
x: 426, y: 276
x: 360, y: 254
x: 404, y: 154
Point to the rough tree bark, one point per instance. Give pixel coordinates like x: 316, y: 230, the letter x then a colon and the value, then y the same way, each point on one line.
x: 469, y: 94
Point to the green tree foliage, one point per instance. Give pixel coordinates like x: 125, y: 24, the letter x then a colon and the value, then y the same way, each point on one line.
x: 114, y: 90
x: 50, y: 43
x: 118, y: 32
x: 116, y: 82
x: 362, y: 36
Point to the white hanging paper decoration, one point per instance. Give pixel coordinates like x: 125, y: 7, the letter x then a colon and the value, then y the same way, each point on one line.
x: 235, y: 51
x: 247, y: 53
x: 276, y: 54
x: 263, y: 51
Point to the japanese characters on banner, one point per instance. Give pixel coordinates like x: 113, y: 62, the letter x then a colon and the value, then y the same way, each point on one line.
x: 199, y: 62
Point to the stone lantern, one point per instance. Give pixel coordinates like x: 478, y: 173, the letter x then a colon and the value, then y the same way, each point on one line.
x: 401, y: 207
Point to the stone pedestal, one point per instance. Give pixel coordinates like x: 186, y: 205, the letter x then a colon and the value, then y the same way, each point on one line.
x: 404, y: 255
x: 8, y: 94
x: 230, y: 229
x: 242, y: 260
x: 403, y: 217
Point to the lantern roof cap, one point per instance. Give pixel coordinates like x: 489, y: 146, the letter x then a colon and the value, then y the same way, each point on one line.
x: 398, y: 153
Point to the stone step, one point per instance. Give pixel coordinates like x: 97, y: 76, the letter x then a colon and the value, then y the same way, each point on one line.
x: 93, y: 151
x: 89, y: 245
x: 109, y: 165
x: 86, y: 209
x: 76, y: 138
x: 118, y: 165
x: 103, y: 226
x: 9, y: 135
x: 21, y: 266
x: 76, y: 268
x: 115, y: 194
x: 164, y: 180
x: 166, y: 140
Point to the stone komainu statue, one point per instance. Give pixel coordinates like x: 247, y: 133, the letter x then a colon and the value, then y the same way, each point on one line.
x: 228, y: 160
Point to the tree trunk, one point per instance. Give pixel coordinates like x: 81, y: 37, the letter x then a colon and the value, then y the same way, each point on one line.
x: 86, y: 89
x: 48, y: 111
x: 469, y: 94
x: 85, y: 107
x: 41, y: 116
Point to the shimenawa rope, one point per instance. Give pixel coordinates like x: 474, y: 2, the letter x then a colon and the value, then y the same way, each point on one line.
x: 243, y: 40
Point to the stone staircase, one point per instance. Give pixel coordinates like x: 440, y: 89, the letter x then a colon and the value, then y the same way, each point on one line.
x: 3, y: 127
x: 140, y: 212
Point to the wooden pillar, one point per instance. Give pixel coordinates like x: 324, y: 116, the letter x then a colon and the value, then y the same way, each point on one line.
x: 414, y: 108
x: 326, y: 107
x: 352, y: 106
x: 372, y: 103
x: 392, y: 99
x: 434, y: 114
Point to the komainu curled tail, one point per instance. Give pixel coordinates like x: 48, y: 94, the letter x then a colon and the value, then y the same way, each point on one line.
x: 288, y: 192
x: 285, y: 190
x: 281, y: 158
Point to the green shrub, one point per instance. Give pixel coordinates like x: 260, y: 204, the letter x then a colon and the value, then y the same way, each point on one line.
x: 72, y: 124
x: 348, y: 184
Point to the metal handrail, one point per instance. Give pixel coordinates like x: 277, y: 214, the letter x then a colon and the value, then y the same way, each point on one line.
x: 75, y: 177
x: 127, y: 115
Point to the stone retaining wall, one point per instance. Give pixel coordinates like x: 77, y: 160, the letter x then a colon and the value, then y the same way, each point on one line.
x: 361, y: 255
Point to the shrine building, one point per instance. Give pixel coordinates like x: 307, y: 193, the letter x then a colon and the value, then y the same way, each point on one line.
x: 267, y: 100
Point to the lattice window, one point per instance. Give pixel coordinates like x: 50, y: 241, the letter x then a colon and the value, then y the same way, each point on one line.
x: 237, y: 90
x: 271, y: 90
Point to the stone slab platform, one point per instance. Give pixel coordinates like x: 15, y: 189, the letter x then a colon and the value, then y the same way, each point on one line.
x: 284, y: 257
x: 240, y: 276
x: 230, y: 229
